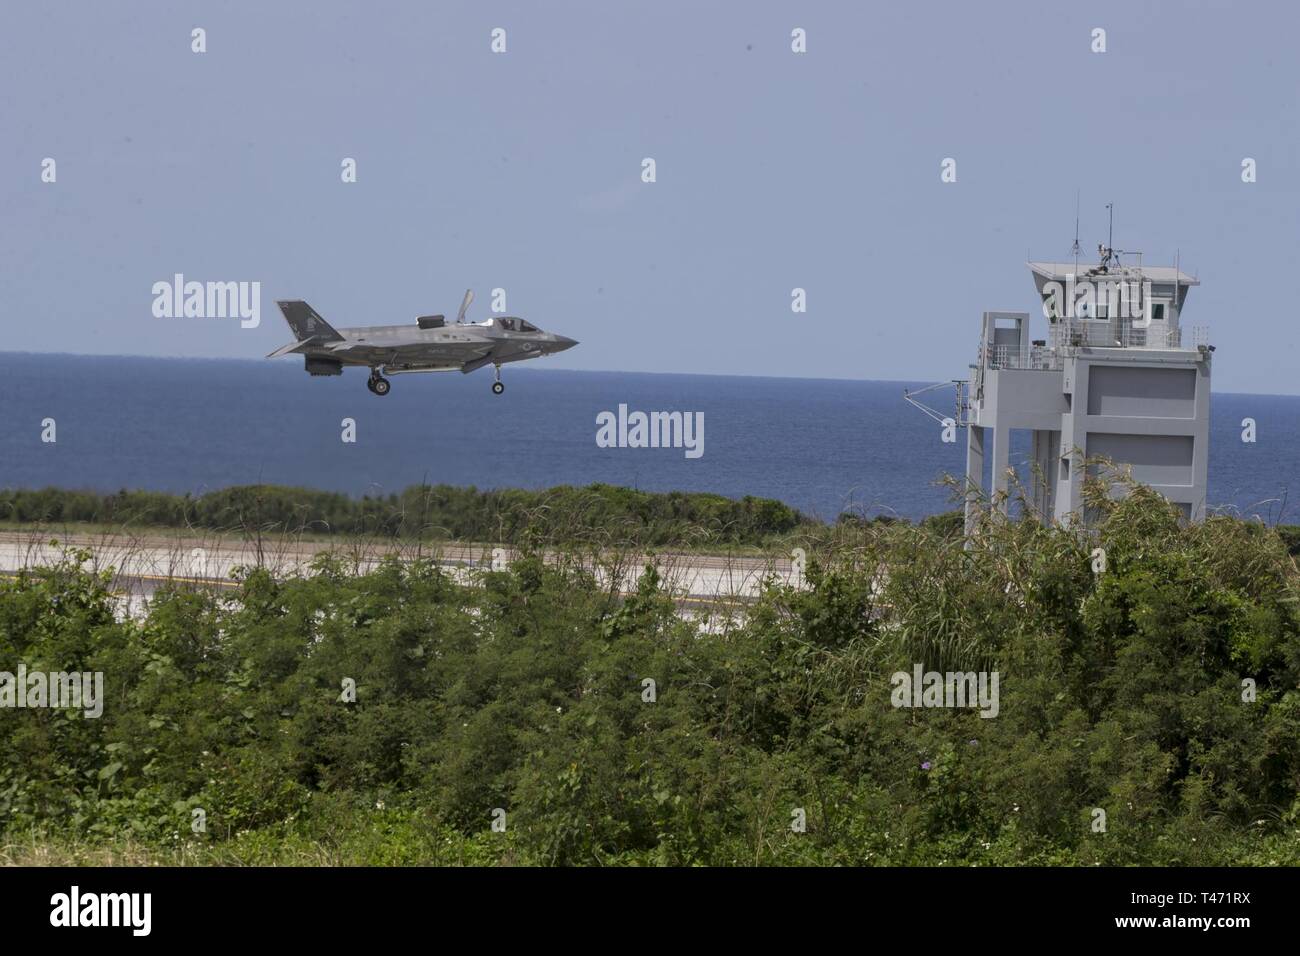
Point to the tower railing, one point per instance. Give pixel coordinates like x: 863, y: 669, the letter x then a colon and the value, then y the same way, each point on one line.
x: 1068, y: 337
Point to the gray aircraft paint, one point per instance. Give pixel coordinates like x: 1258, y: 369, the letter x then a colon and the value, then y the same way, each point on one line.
x: 430, y: 344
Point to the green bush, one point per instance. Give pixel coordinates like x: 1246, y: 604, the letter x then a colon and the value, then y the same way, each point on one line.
x: 524, y: 691
x: 595, y: 514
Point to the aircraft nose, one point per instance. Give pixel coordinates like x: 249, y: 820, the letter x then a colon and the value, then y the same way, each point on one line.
x: 563, y: 342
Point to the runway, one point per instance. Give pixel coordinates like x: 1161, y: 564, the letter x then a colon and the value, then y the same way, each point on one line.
x: 141, y: 563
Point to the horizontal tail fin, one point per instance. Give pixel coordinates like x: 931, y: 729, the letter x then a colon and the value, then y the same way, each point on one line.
x: 286, y: 349
x: 306, y: 323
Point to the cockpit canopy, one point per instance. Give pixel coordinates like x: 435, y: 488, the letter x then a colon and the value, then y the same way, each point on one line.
x: 511, y: 324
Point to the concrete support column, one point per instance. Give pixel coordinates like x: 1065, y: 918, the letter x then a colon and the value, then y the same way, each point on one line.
x: 1001, y: 459
x: 1044, y: 449
x: 1201, y: 440
x: 974, y: 472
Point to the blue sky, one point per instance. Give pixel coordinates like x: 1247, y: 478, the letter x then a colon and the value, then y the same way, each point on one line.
x: 522, y: 171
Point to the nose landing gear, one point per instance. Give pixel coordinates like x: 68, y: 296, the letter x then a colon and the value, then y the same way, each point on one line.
x: 497, y: 386
x: 377, y: 383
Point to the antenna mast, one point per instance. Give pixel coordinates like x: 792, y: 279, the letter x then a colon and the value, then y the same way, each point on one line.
x: 1108, y: 251
x: 1076, y: 232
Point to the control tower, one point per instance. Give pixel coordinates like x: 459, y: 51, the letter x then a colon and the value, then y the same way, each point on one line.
x: 1117, y: 376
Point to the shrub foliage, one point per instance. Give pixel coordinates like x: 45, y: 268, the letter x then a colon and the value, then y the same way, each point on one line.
x: 525, y: 692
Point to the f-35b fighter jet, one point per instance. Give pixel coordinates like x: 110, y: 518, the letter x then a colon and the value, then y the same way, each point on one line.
x: 430, y: 345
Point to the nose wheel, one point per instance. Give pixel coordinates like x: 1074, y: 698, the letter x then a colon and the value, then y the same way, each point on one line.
x: 497, y: 386
x: 377, y: 383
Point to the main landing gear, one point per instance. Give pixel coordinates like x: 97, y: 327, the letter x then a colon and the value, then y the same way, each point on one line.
x: 377, y: 383
x: 497, y: 386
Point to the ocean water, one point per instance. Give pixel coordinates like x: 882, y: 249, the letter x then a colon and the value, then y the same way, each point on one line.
x: 823, y: 446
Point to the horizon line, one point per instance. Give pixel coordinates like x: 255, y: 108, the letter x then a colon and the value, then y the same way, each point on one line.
x: 784, y: 378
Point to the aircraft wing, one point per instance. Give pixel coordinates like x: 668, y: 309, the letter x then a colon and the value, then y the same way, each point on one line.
x: 477, y: 363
